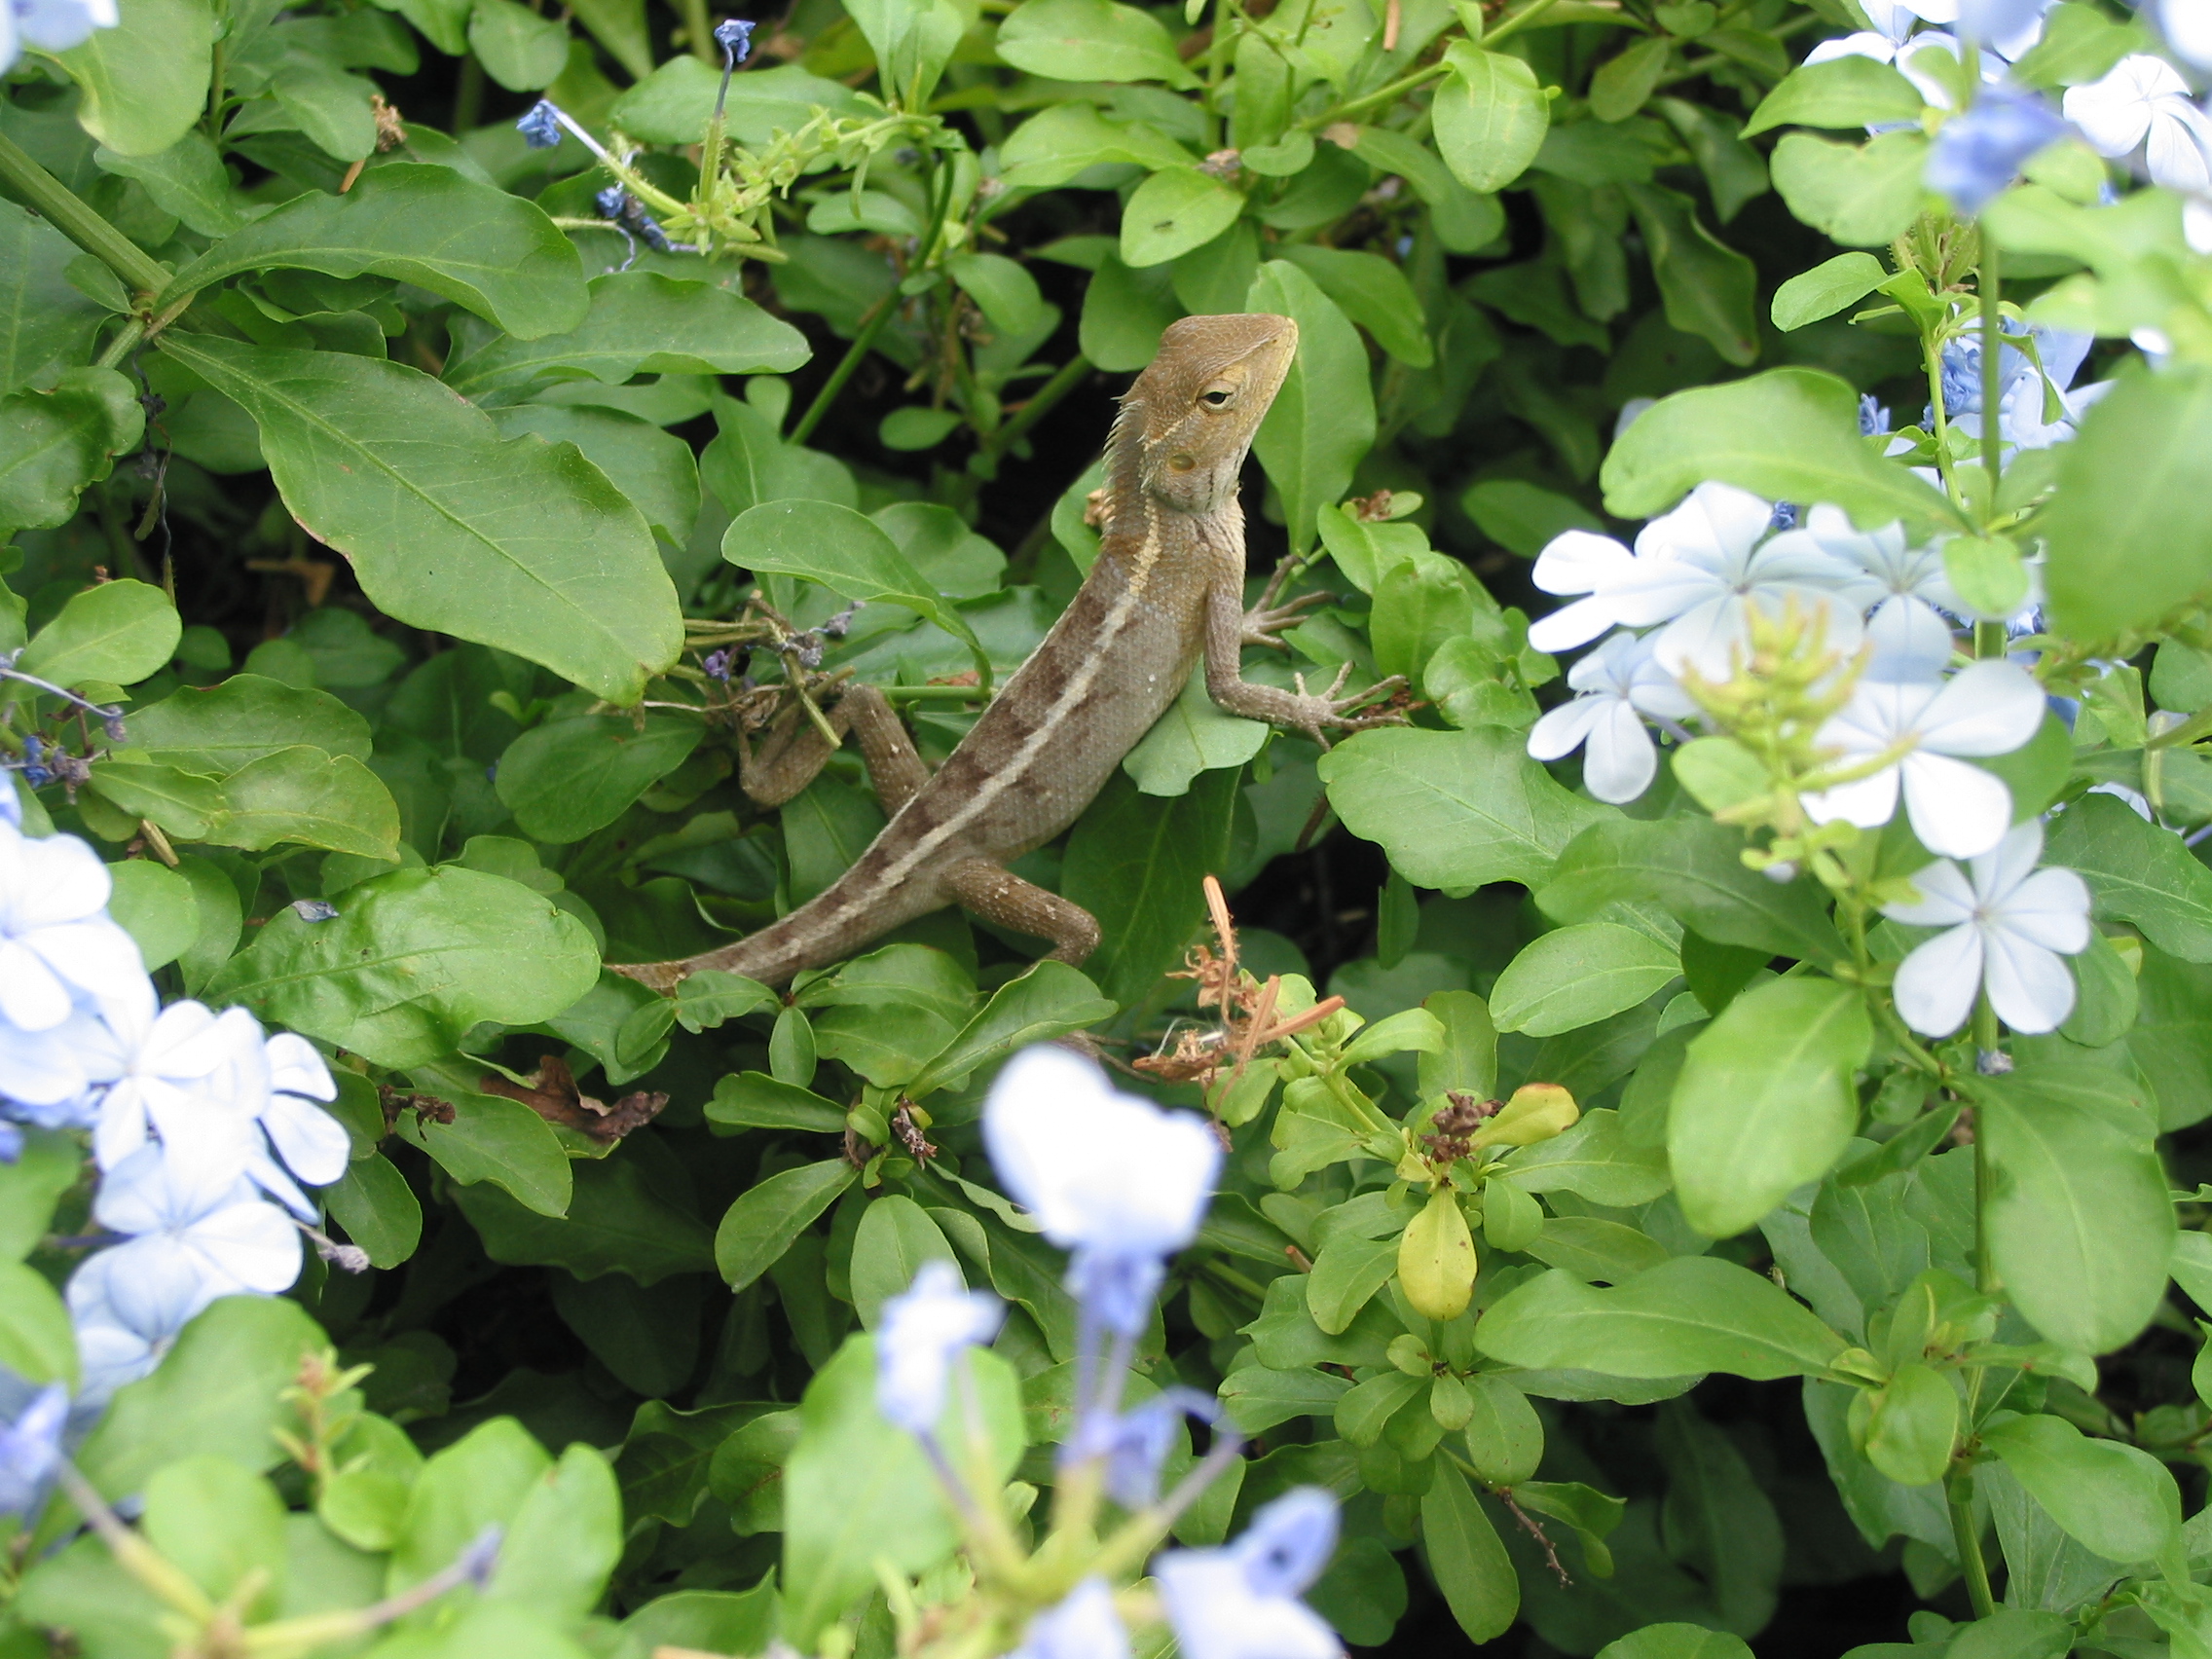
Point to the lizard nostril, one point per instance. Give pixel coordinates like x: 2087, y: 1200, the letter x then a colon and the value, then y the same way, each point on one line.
x: 1182, y: 462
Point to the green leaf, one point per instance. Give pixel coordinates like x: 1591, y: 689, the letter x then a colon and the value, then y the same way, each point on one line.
x: 629, y: 1214
x: 1003, y: 290
x: 1592, y: 1160
x: 1861, y: 195
x: 655, y: 470
x: 2137, y: 873
x: 45, y: 321
x: 857, y: 1490
x: 479, y: 1481
x: 1915, y: 1422
x: 847, y: 553
x: 53, y: 443
x: 1454, y: 810
x: 912, y: 41
x: 120, y: 632
x: 1173, y: 211
x: 1576, y: 975
x: 1089, y: 40
x: 2079, y: 44
x: 1827, y: 288
x: 895, y: 1237
x: 518, y: 48
x: 36, y: 1341
x: 1374, y: 293
x: 1047, y: 1001
x: 566, y: 1537
x: 755, y: 1100
x: 564, y: 779
x: 1490, y: 117
x: 309, y: 796
x: 1788, y: 434
x: 1464, y: 219
x: 1765, y: 1100
x: 412, y: 962
x: 1692, y: 1314
x: 1469, y: 1563
x: 2125, y: 547
x: 156, y: 906
x: 48, y: 1167
x: 2080, y: 1227
x: 379, y: 1211
x: 216, y: 730
x: 1135, y: 863
x: 1194, y: 735
x: 1842, y: 93
x: 520, y: 544
x: 1676, y: 1642
x: 1706, y: 286
x: 1345, y: 1275
x: 672, y: 104
x: 1258, y: 1398
x: 1691, y: 867
x: 760, y: 1227
x: 1322, y: 422
x: 218, y: 1522
x: 218, y: 1391
x: 496, y: 254
x: 2118, y: 1500
x: 1624, y: 83
x: 640, y: 323
x: 1523, y: 517
x: 493, y: 1138
x: 145, y: 81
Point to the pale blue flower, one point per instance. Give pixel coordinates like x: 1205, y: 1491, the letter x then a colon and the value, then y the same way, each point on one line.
x: 172, y: 1076
x: 1083, y: 1626
x: 734, y: 35
x: 2006, y: 926
x: 1241, y: 1601
x: 57, y: 942
x: 920, y: 1335
x: 31, y: 1451
x: 1135, y: 1444
x: 1977, y: 154
x: 1620, y: 682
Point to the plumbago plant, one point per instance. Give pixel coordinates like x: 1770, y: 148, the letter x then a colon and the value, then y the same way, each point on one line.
x: 1727, y: 1183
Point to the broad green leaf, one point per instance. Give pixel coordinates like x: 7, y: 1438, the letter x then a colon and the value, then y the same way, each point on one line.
x: 2139, y: 873
x: 49, y: 1165
x: 1592, y: 1160
x: 36, y: 1341
x: 1693, y: 1313
x: 1089, y: 40
x: 520, y: 544
x: 145, y: 81
x: 413, y: 961
x: 1257, y: 1397
x: 1915, y: 1422
x: 1490, y: 117
x: 1322, y: 421
x: 1454, y: 810
x: 912, y: 41
x: 896, y: 1236
x: 755, y: 1100
x: 1577, y: 974
x: 493, y: 1138
x: 566, y: 1537
x: 1374, y: 293
x: 55, y: 442
x: 2118, y: 1500
x: 640, y: 323
x: 1003, y: 290
x: 1469, y: 1563
x: 2125, y: 545
x: 847, y: 553
x: 1062, y: 139
x: 496, y: 254
x: 1861, y: 195
x: 1047, y: 1001
x: 310, y: 796
x: 1624, y: 83
x: 2080, y: 1227
x: 1194, y: 735
x: 479, y: 1481
x: 1421, y: 604
x: 1691, y: 867
x: 630, y: 1214
x: 218, y: 1391
x: 378, y: 1210
x: 1828, y: 288
x: 760, y: 1227
x: 1173, y: 211
x: 518, y: 48
x: 215, y: 730
x: 119, y: 632
x: 1136, y: 861
x: 1345, y: 1275
x: 1676, y: 1642
x: 1708, y: 286
x: 655, y: 470
x: 2079, y: 44
x: 219, y: 1523
x: 672, y: 105
x: 43, y: 318
x: 564, y: 779
x: 1843, y: 93
x: 1788, y: 434
x: 1765, y: 1100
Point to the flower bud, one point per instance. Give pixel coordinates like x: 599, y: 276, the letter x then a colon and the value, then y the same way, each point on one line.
x: 1436, y: 1258
x: 1537, y: 1112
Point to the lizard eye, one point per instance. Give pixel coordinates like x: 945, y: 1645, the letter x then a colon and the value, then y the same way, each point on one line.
x: 1217, y: 397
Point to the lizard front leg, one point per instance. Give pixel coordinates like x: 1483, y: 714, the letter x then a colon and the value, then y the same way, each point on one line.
x: 794, y: 751
x: 1301, y: 709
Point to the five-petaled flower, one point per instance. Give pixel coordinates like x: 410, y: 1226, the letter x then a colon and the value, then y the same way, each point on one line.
x: 1241, y: 1601
x: 923, y: 1330
x: 2144, y: 101
x: 1620, y: 684
x: 2006, y: 925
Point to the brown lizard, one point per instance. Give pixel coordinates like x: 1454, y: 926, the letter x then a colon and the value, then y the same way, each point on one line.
x: 1168, y: 588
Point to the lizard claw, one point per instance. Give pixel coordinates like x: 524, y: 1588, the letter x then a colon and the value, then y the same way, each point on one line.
x: 1265, y: 620
x: 1340, y: 712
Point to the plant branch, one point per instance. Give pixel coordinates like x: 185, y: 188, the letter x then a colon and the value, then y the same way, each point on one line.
x: 64, y: 210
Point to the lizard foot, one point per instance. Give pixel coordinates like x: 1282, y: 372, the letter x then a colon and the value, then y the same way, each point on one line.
x: 1265, y: 620
x: 662, y: 977
x: 1317, y: 709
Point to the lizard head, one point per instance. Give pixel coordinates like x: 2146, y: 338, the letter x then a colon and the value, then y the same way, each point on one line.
x: 1191, y: 416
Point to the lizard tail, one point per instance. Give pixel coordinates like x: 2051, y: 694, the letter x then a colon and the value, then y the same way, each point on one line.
x: 771, y: 956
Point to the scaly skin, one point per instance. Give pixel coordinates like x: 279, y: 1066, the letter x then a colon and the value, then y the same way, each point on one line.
x: 1168, y: 590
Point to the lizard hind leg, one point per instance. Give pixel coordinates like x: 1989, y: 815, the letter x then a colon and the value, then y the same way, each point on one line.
x: 794, y: 751
x: 998, y: 895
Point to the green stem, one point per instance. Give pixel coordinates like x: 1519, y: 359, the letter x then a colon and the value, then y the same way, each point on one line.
x: 1989, y: 639
x: 1992, y: 379
x: 55, y: 202
x: 1958, y: 1491
x: 121, y: 346
x: 1934, y: 356
x: 468, y: 97
x: 2189, y: 731
x: 699, y: 34
x: 1519, y: 21
x: 1040, y: 405
x: 1385, y: 94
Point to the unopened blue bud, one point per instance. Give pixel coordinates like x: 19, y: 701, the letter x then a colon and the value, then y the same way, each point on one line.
x: 612, y: 203
x: 541, y: 129
x: 735, y: 37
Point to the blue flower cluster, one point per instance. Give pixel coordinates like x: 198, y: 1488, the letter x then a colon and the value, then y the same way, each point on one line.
x: 197, y: 1120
